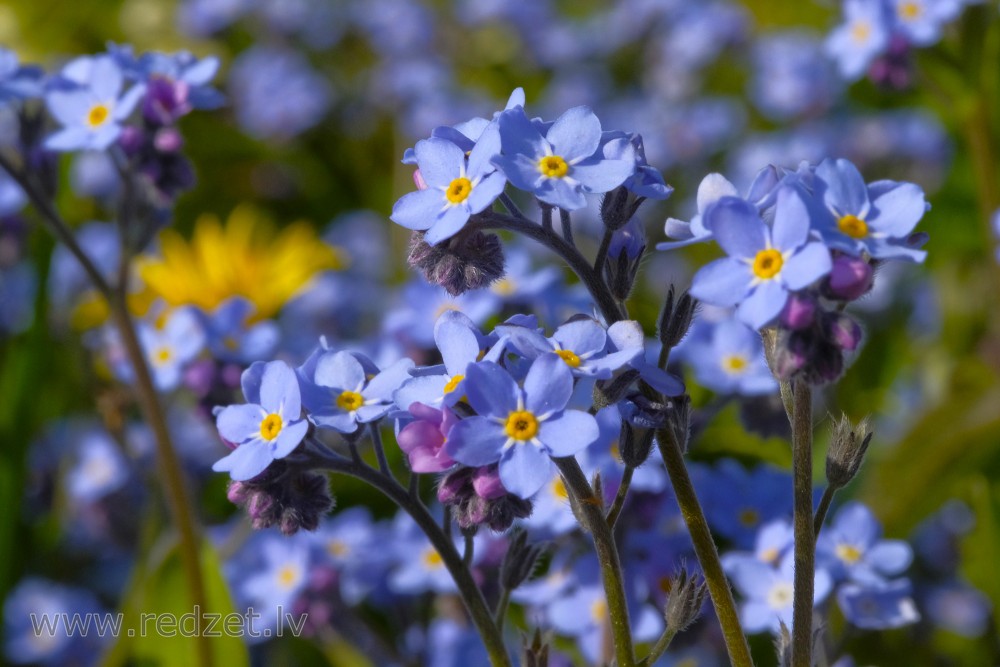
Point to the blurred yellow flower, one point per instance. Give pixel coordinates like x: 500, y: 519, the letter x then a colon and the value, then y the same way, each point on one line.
x: 245, y: 257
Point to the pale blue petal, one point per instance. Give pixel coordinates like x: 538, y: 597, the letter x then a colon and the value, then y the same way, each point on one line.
x: 723, y: 282
x: 791, y: 220
x: 240, y: 423
x: 519, y: 137
x: 447, y: 224
x: 440, y: 161
x: 455, y: 337
x: 246, y: 461
x: 491, y: 390
x: 763, y: 305
x: 428, y: 390
x: 289, y: 438
x: 603, y: 175
x: 576, y: 134
x: 846, y: 191
x: 279, y: 390
x: 475, y: 441
x: 389, y: 380
x: 486, y: 192
x: 548, y: 385
x: 521, y: 170
x: 569, y: 433
x: 806, y: 266
x: 899, y: 210
x: 737, y: 227
x: 524, y: 469
x: 339, y: 370
x: 559, y: 193
x: 418, y: 210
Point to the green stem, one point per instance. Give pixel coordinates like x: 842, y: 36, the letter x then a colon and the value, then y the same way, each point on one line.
x: 470, y: 593
x: 500, y: 615
x: 592, y: 517
x: 659, y: 648
x: 824, y: 507
x: 619, y: 502
x: 705, y: 550
x: 146, y: 395
x: 805, y: 541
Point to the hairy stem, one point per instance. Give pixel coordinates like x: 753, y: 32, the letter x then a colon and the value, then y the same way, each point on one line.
x: 475, y: 603
x: 592, y: 516
x: 705, y: 550
x: 619, y: 502
x: 500, y: 614
x: 659, y: 648
x: 805, y: 541
x: 824, y: 507
x: 567, y: 228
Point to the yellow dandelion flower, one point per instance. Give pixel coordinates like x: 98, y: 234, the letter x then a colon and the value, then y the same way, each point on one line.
x: 245, y: 257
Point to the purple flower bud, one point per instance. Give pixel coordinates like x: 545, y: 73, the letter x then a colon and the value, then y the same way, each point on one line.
x: 487, y: 484
x: 894, y: 69
x: 237, y: 492
x: 849, y: 278
x: 455, y: 486
x: 423, y: 439
x: 630, y: 239
x: 168, y: 140
x: 843, y: 331
x: 200, y: 376
x: 131, y: 139
x: 799, y: 312
x: 466, y: 261
x: 166, y: 100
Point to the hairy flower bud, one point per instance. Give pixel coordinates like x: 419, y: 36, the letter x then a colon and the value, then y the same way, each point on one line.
x: 799, y: 312
x: 684, y: 600
x: 616, y: 209
x: 634, y: 444
x: 842, y: 331
x: 535, y: 653
x: 519, y: 561
x: 289, y: 499
x: 477, y: 497
x: 675, y: 318
x: 848, y: 447
x: 469, y: 260
x: 850, y: 278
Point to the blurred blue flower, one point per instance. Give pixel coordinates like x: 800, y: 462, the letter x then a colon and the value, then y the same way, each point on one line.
x: 562, y: 165
x: 99, y: 467
x: 18, y: 286
x: 17, y: 82
x: 89, y: 104
x: 957, y: 607
x: 231, y: 337
x: 792, y: 76
x: 350, y: 542
x: 727, y: 357
x: 267, y: 427
x: 765, y: 264
x: 738, y: 501
x: 863, y: 36
x: 878, y: 606
x: 279, y: 577
x: 768, y: 593
x: 276, y: 93
x: 453, y: 645
x: 851, y: 547
x: 774, y: 541
x: 170, y: 345
x: 518, y: 427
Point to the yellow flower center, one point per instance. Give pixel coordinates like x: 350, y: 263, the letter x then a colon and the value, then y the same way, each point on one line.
x: 337, y: 548
x: 848, y: 553
x: 853, y: 226
x: 569, y: 357
x: 749, y: 517
x: 780, y: 596
x: 163, y: 355
x: 599, y: 611
x: 767, y: 264
x: 458, y: 191
x: 98, y: 115
x: 350, y: 401
x: 734, y: 363
x: 504, y: 287
x: 270, y: 426
x: 860, y: 31
x: 909, y: 11
x: 432, y: 559
x: 287, y: 576
x: 559, y: 489
x: 769, y: 555
x: 521, y: 425
x: 452, y: 383
x: 553, y: 166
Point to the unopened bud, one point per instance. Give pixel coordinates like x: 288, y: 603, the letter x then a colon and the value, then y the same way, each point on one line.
x: 675, y: 318
x: 679, y: 420
x: 466, y: 261
x: 635, y: 445
x: 848, y: 447
x: 519, y: 561
x: 799, y: 312
x: 850, y: 277
x: 615, y: 208
x: 842, y: 331
x: 609, y: 392
x: 535, y: 653
x: 685, y: 600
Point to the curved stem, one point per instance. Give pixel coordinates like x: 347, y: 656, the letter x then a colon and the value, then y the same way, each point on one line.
x: 383, y: 463
x: 590, y: 278
x: 592, y: 515
x: 805, y: 541
x: 705, y: 550
x: 501, y: 611
x: 146, y: 395
x: 567, y: 228
x: 602, y: 251
x: 660, y: 647
x: 469, y: 591
x: 824, y: 507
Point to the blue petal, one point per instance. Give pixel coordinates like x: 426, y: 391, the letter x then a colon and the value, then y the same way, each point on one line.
x: 339, y: 370
x: 240, y: 423
x: 440, y: 161
x: 491, y: 390
x: 737, y: 227
x: 560, y: 193
x: 455, y: 337
x: 521, y: 170
x: 279, y: 390
x: 289, y: 438
x: 486, y: 191
x: 899, y: 210
x: 576, y: 135
x: 763, y: 305
x: 603, y: 175
x: 519, y: 137
x: 428, y: 390
x: 475, y: 441
x: 69, y: 107
x: 389, y: 380
x: 569, y: 433
x: 890, y: 557
x: 548, y: 385
x: 447, y: 224
x: 524, y: 469
x: 250, y: 382
x: 418, y: 210
x: 846, y: 192
x: 246, y: 461
x: 342, y: 422
x: 487, y: 146
x: 722, y: 282
x: 791, y: 220
x: 806, y: 266
x: 68, y: 139
x: 582, y: 336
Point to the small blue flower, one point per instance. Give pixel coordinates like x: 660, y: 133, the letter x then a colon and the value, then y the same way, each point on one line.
x: 773, y: 543
x: 738, y: 501
x: 878, y: 606
x: 90, y: 105
x: 765, y: 264
x: 170, y: 344
x: 921, y: 20
x: 281, y: 575
x: 457, y: 188
x: 230, y: 336
x: 769, y: 591
x: 862, y: 37
x: 99, y: 468
x: 268, y: 427
x: 350, y: 542
x: 34, y: 600
x: 647, y: 181
x: 564, y: 164
x: 875, y: 218
x: 518, y: 427
x: 339, y: 391
x: 851, y: 547
x: 728, y: 358
x: 581, y: 343
x: 17, y: 82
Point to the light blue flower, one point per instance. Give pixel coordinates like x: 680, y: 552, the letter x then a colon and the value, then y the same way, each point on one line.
x: 90, y: 105
x: 170, y: 345
x: 520, y: 427
x: 851, y: 547
x: 456, y: 187
x: 862, y: 36
x: 878, y: 606
x: 765, y: 264
x: 728, y: 357
x: 768, y: 593
x: 232, y: 338
x: 268, y: 427
x: 582, y: 343
x: 564, y: 164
